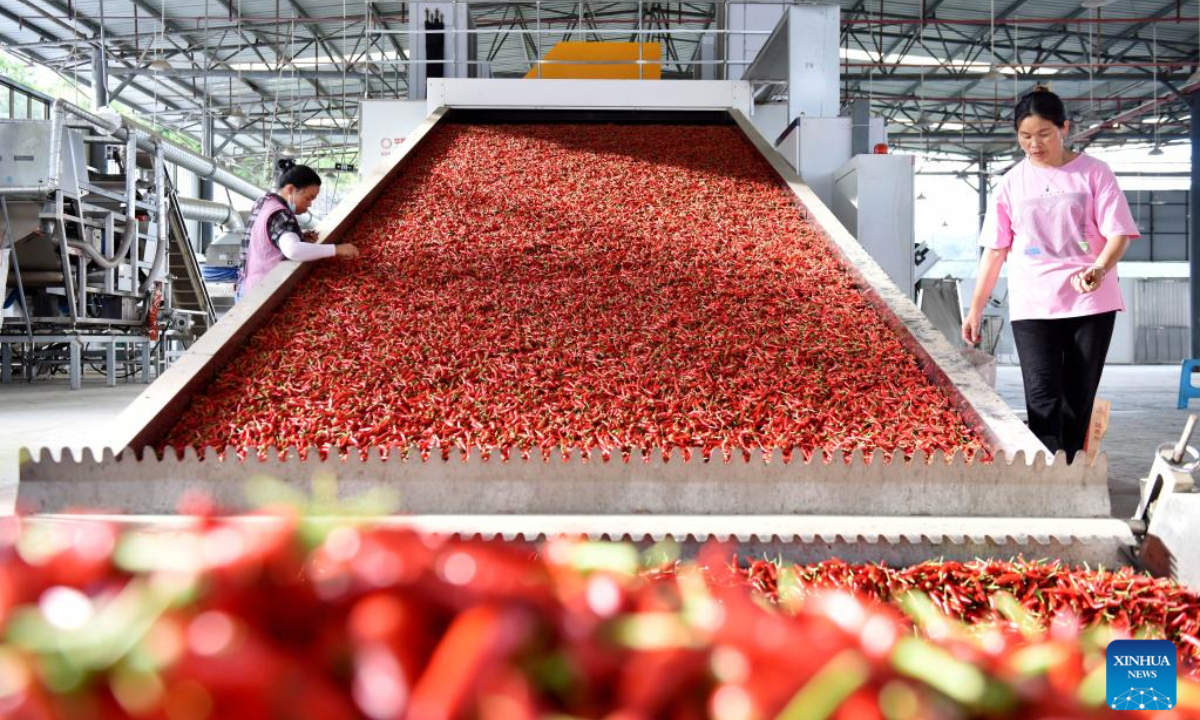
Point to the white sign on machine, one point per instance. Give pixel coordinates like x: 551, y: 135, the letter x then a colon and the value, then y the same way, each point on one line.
x: 383, y: 127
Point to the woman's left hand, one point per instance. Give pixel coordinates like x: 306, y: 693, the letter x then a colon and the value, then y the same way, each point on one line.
x: 1089, y: 280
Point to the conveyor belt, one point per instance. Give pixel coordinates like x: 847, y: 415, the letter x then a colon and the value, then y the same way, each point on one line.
x: 912, y: 508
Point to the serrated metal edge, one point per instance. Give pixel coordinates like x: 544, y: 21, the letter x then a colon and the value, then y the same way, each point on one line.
x: 412, y: 454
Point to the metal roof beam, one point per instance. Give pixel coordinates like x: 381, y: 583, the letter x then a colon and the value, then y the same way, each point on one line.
x: 167, y: 22
x: 94, y: 29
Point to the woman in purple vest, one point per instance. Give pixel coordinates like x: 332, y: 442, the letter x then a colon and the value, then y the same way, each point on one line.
x: 273, y: 232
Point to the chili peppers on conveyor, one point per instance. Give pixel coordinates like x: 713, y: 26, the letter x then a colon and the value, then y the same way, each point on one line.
x: 580, y: 287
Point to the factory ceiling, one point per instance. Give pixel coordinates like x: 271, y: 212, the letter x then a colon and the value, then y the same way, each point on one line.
x: 275, y: 74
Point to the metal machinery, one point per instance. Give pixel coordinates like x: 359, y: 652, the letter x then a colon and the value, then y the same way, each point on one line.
x: 853, y: 507
x: 223, y: 256
x: 101, y: 269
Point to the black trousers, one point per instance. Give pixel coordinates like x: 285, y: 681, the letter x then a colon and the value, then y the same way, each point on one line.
x: 1061, y: 363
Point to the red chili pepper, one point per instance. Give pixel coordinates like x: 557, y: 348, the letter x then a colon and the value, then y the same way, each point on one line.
x: 475, y: 648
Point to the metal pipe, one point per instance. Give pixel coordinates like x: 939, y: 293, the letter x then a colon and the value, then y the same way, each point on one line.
x: 100, y: 258
x: 99, y: 99
x: 56, y: 132
x: 25, y: 190
x: 131, y: 220
x: 160, y: 248
x: 208, y: 211
x: 209, y: 169
x: 207, y: 137
x: 983, y: 190
x: 1184, y: 439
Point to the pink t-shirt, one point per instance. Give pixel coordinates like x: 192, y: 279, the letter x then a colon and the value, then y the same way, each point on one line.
x: 1054, y: 222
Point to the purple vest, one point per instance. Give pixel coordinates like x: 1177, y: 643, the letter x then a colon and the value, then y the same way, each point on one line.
x: 261, y: 255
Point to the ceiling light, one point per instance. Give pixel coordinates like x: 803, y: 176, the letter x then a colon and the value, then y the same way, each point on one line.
x: 290, y: 151
x: 235, y: 114
x: 1097, y: 3
x: 159, y: 64
x: 945, y: 224
x: 921, y: 196
x: 1155, y: 151
x: 992, y: 74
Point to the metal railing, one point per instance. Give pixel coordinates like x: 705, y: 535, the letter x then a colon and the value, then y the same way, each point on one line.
x: 642, y: 33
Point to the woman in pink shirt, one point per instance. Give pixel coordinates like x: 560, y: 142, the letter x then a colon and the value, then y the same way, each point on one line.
x: 1062, y: 223
x: 273, y: 232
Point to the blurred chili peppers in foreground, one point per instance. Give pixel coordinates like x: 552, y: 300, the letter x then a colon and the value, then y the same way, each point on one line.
x: 529, y: 287
x: 271, y: 617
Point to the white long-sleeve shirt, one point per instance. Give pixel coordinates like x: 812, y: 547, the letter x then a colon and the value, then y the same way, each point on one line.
x: 293, y: 248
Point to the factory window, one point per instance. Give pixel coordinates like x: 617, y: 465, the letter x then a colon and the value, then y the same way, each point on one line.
x: 1162, y: 217
x: 6, y: 95
x: 38, y: 109
x: 20, y: 106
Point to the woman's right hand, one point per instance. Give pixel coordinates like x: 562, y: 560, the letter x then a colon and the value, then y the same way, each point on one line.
x: 347, y: 250
x: 971, y: 328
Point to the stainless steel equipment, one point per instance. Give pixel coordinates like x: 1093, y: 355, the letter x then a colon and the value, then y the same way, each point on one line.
x: 100, y: 259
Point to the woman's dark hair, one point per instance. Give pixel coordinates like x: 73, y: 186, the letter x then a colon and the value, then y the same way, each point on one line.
x: 1042, y: 103
x: 300, y: 176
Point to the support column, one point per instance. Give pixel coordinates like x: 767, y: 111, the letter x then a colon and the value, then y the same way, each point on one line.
x: 204, y: 188
x: 1194, y: 226
x: 720, y: 46
x: 983, y: 190
x: 110, y: 364
x: 99, y: 99
x: 860, y: 127
x: 75, y: 364
x: 147, y: 347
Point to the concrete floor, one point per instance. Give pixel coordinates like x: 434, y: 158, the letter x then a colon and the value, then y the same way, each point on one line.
x: 1143, y: 398
x: 49, y: 414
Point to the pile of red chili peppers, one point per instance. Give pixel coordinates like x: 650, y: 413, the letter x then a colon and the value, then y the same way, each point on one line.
x: 269, y: 618
x: 580, y: 287
x: 1044, y: 590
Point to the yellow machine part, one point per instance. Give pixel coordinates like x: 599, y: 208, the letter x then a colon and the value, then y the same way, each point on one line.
x: 622, y: 56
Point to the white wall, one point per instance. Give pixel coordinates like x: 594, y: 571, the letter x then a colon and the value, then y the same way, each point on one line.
x: 770, y: 120
x: 383, y: 126
x: 1124, y: 340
